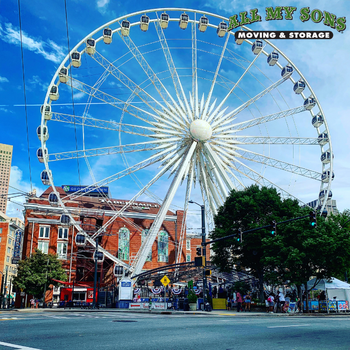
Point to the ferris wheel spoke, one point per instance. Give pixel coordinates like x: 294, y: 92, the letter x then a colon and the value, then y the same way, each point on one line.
x: 147, y: 246
x: 174, y: 75
x: 266, y: 140
x: 260, y: 120
x: 157, y: 83
x: 105, y: 151
x: 194, y: 69
x: 259, y: 158
x: 248, y: 103
x: 213, y: 114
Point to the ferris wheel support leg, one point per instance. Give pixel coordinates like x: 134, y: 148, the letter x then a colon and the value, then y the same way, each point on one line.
x: 163, y: 210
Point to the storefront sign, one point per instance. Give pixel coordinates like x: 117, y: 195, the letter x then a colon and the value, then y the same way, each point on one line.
x: 18, y: 247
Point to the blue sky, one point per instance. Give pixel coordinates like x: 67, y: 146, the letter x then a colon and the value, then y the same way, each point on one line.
x: 45, y: 45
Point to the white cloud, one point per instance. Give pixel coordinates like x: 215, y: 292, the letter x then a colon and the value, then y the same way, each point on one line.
x: 102, y: 5
x: 49, y: 50
x: 3, y: 80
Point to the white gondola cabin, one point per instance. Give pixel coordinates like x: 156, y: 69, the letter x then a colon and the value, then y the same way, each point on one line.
x: 323, y: 139
x: 257, y: 46
x: 65, y: 220
x: 287, y: 71
x: 118, y: 270
x: 239, y: 41
x: 90, y: 46
x: 317, y: 120
x: 222, y: 29
x: 44, y: 176
x: 309, y: 103
x: 54, y: 95
x: 183, y: 21
x: 203, y: 24
x: 272, y: 58
x: 164, y: 20
x: 41, y: 153
x: 107, y: 35
x: 80, y: 240
x: 76, y: 59
x: 326, y: 157
x: 44, y: 130
x: 326, y: 176
x: 125, y: 28
x: 53, y: 198
x: 144, y: 23
x: 299, y: 87
x: 63, y: 75
x: 47, y: 114
x: 325, y: 194
x: 99, y: 256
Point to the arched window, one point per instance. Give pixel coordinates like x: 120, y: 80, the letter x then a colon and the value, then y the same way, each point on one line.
x: 163, y: 238
x: 123, y: 243
x: 144, y: 233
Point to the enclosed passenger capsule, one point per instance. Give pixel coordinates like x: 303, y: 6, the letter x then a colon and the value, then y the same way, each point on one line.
x: 118, y: 270
x: 125, y: 28
x: 272, y: 58
x: 323, y: 139
x: 257, y: 46
x: 90, y: 46
x: 325, y: 194
x: 44, y: 130
x: 144, y: 23
x: 44, y: 176
x: 183, y: 21
x: 239, y: 41
x: 53, y: 199
x: 80, y: 240
x: 76, y: 59
x: 326, y: 176
x: 317, y: 120
x: 309, y: 103
x: 41, y: 153
x: 299, y: 87
x: 222, y: 29
x: 326, y: 157
x: 47, y: 114
x: 99, y: 256
x: 63, y: 75
x: 164, y: 20
x: 203, y: 24
x: 107, y: 35
x: 287, y: 71
x: 54, y: 95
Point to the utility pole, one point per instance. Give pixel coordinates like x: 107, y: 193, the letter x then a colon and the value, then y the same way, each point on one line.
x: 5, y: 289
x: 95, y: 275
x: 44, y: 294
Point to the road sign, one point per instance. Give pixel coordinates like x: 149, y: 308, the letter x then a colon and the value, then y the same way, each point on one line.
x: 165, y: 280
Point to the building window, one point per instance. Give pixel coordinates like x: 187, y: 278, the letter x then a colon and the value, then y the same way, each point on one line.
x: 144, y: 233
x: 62, y: 250
x: 10, y: 241
x: 8, y: 250
x: 7, y: 259
x: 44, y: 232
x: 0, y: 239
x: 188, y: 244
x: 0, y: 230
x: 123, y: 243
x: 43, y: 246
x: 188, y: 257
x: 163, y: 238
x: 62, y: 233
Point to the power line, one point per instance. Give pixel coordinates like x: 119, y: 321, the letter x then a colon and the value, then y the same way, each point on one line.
x: 24, y: 92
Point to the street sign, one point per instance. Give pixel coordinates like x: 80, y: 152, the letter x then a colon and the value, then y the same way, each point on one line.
x: 165, y: 280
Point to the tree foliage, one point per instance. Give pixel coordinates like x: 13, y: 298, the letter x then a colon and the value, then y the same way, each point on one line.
x: 38, y: 270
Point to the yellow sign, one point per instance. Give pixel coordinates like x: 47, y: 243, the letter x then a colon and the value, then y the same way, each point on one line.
x: 165, y: 280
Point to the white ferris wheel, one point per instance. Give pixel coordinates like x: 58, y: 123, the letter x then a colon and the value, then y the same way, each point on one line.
x: 168, y: 95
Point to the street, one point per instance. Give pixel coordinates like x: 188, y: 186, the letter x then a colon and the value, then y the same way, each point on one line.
x: 123, y: 330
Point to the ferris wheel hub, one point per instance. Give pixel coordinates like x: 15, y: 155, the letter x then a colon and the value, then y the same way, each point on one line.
x: 200, y: 130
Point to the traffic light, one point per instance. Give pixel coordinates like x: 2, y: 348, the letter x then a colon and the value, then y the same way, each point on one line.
x: 239, y: 237
x: 273, y: 227
x: 207, y: 272
x: 199, y: 261
x: 313, y: 221
x: 199, y: 251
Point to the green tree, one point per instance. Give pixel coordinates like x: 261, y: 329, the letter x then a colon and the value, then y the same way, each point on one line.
x: 37, y: 271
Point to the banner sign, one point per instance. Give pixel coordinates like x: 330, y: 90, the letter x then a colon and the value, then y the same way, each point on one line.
x: 17, y: 248
x: 156, y: 290
x: 84, y: 189
x: 176, y: 291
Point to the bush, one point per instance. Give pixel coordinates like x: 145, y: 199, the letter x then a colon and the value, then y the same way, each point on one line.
x: 192, y: 297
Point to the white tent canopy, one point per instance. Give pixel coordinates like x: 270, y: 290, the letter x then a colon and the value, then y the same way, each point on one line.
x: 333, y: 286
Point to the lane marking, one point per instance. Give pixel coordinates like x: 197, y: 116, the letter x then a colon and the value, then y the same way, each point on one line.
x: 17, y: 346
x: 290, y: 325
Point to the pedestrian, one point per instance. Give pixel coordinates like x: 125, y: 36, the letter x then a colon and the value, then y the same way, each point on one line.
x: 282, y: 300
x: 37, y: 303
x: 228, y: 303
x: 239, y: 301
x: 247, y: 302
x: 32, y: 301
x: 277, y: 302
x: 271, y: 299
x: 267, y: 305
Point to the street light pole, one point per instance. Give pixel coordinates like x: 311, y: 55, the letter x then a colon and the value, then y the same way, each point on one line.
x: 95, y: 275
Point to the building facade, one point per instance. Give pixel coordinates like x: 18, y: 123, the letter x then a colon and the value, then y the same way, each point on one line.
x: 5, y: 170
x: 11, y: 234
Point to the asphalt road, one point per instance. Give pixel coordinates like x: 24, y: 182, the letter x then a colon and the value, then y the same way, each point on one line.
x: 123, y: 330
